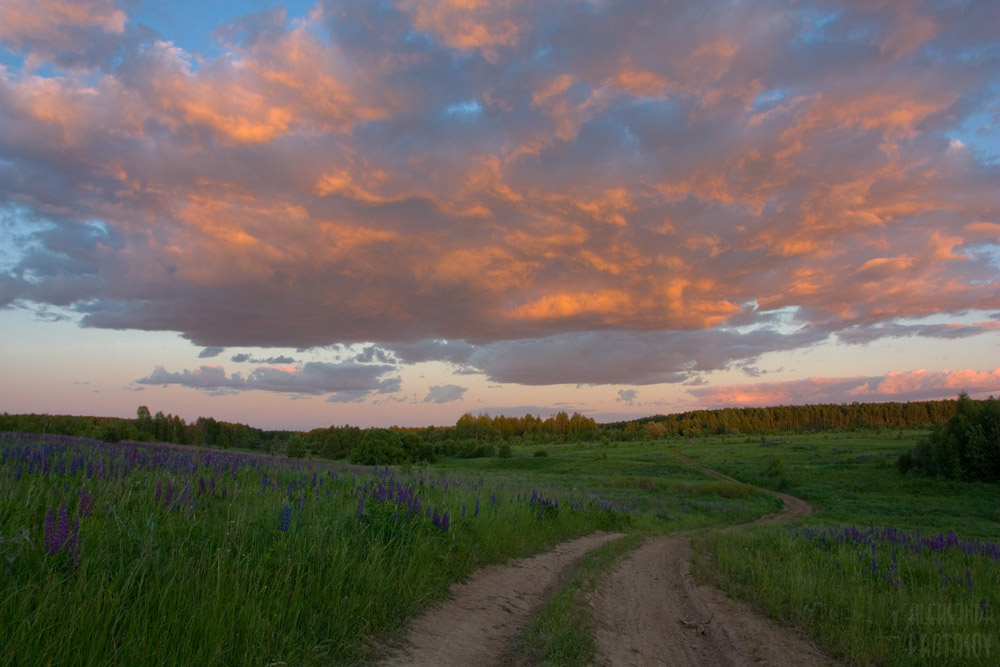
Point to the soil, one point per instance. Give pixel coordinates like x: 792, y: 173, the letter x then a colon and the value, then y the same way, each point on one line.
x: 648, y: 611
x: 481, y: 622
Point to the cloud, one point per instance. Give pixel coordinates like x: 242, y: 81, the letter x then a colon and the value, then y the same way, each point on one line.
x: 210, y: 352
x: 243, y: 357
x: 312, y: 378
x: 627, y: 396
x: 545, y: 193
x: 894, y: 386
x: 445, y: 394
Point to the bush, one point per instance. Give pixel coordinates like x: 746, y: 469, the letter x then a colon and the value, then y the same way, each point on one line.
x: 296, y: 447
x: 378, y: 446
x: 966, y: 447
x: 505, y: 451
x: 541, y: 452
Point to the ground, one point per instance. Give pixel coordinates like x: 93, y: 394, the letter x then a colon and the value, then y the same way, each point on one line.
x: 648, y: 611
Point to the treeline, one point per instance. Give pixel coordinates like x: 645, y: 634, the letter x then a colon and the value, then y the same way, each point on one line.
x: 146, y: 427
x: 966, y: 447
x: 485, y: 435
x: 792, y: 419
x: 473, y: 436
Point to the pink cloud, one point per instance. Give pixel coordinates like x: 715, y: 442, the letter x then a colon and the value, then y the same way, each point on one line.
x: 894, y: 386
x: 505, y: 173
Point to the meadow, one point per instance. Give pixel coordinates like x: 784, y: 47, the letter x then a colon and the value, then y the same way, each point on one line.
x: 889, y: 570
x: 150, y: 554
x: 127, y: 553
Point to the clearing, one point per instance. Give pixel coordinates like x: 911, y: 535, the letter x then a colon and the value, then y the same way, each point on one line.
x: 648, y: 611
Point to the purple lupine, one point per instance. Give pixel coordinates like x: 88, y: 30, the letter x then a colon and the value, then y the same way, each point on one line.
x: 436, y: 520
x: 361, y: 505
x: 475, y: 512
x: 62, y: 527
x: 968, y: 579
x: 86, y: 506
x: 445, y: 522
x: 286, y: 517
x: 51, y: 538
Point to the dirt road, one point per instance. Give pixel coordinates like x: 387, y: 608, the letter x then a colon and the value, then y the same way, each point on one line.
x: 480, y: 624
x: 648, y: 611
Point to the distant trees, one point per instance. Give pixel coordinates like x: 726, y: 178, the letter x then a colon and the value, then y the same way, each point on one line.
x: 791, y: 419
x: 966, y: 447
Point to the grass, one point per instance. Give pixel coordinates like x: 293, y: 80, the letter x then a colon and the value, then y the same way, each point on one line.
x: 889, y: 570
x: 561, y: 633
x: 199, y: 557
x: 167, y: 572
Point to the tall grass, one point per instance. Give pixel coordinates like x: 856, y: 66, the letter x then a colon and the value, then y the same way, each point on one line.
x: 191, y: 557
x: 873, y: 596
x: 127, y: 554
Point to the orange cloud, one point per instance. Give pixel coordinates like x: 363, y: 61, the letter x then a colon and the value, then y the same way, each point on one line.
x: 469, y: 25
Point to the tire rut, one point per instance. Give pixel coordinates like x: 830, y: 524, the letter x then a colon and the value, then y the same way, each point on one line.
x: 480, y: 623
x: 650, y: 610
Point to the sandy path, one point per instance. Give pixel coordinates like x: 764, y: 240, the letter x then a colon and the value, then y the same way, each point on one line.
x: 480, y: 624
x: 650, y: 611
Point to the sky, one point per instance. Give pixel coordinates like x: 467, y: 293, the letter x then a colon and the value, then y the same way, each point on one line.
x: 301, y: 214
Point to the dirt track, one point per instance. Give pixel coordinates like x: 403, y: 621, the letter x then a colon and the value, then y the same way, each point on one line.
x: 649, y: 611
x: 480, y: 624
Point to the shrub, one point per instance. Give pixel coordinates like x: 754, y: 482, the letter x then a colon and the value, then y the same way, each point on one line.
x: 966, y: 447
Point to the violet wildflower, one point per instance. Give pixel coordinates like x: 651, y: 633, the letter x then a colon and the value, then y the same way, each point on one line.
x: 445, y: 522
x: 51, y: 539
x: 286, y: 517
x: 86, y: 506
x: 475, y: 512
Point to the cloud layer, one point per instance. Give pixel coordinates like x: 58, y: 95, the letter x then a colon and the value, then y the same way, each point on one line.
x: 901, y: 386
x: 569, y: 192
x: 343, y: 382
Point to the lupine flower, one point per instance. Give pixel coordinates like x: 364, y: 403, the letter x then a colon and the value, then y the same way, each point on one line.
x: 51, y: 539
x: 968, y: 579
x: 286, y: 517
x: 86, y: 507
x: 445, y: 522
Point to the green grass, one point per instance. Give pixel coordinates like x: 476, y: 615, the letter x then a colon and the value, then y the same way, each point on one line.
x: 561, y: 633
x: 212, y: 579
x: 217, y: 582
x: 874, y: 603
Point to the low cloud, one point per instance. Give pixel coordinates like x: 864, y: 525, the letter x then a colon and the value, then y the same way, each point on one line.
x: 243, y: 357
x: 210, y: 352
x: 627, y: 396
x: 894, y: 386
x: 313, y: 378
x: 445, y: 394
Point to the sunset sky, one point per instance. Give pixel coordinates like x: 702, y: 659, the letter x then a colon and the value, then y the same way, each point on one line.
x: 302, y: 214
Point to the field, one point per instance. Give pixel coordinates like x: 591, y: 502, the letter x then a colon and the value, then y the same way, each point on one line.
x: 153, y: 554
